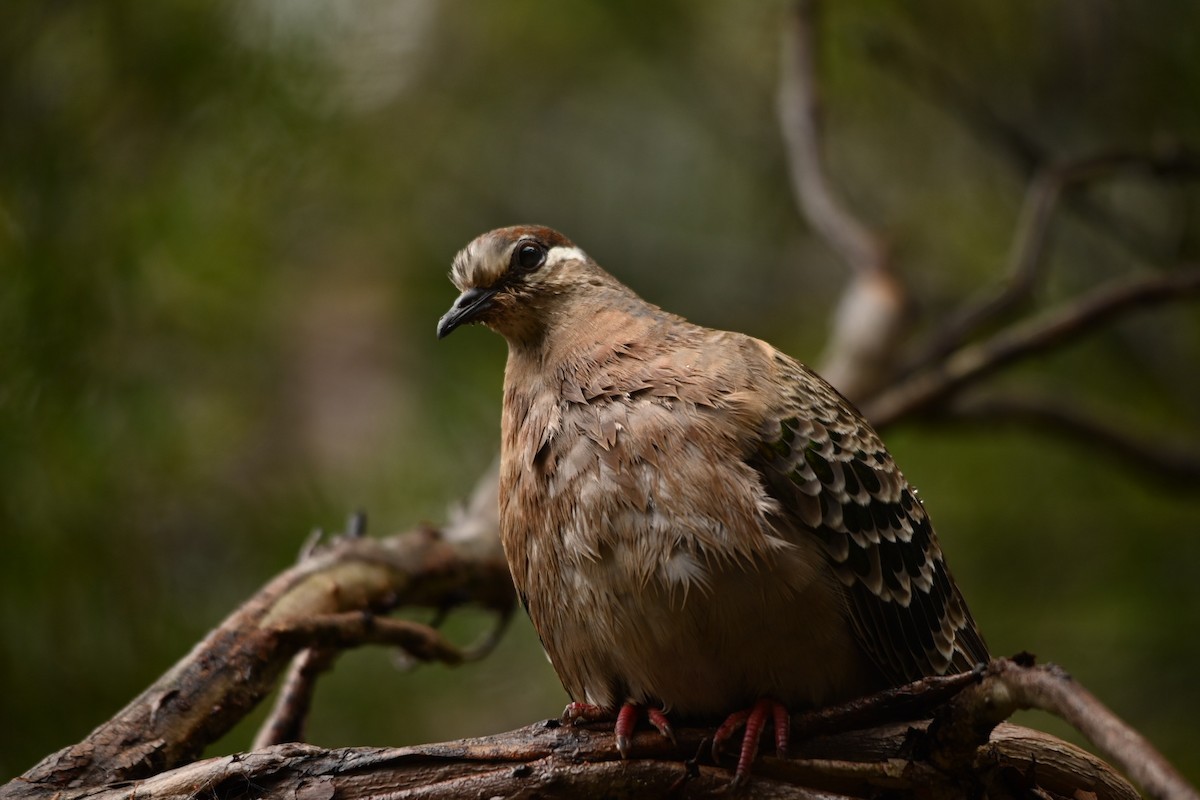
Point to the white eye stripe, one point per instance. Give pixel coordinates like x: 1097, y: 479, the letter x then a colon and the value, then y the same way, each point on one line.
x: 557, y: 255
x: 471, y: 268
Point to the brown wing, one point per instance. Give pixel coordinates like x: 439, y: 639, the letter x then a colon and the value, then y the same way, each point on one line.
x: 830, y: 472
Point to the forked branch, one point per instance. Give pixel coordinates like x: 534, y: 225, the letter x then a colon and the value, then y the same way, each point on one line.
x: 927, y: 390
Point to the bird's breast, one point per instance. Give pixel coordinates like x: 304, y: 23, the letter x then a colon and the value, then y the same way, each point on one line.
x: 641, y: 540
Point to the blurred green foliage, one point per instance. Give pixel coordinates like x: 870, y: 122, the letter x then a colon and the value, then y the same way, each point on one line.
x: 224, y: 231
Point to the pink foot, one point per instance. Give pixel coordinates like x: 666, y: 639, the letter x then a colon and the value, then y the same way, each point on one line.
x: 627, y: 719
x: 659, y: 720
x: 754, y: 720
x: 584, y: 711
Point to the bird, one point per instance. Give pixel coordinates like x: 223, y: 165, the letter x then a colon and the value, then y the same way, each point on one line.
x: 698, y: 525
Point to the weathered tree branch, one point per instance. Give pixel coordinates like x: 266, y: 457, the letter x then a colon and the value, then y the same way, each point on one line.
x: 552, y: 760
x: 329, y: 600
x: 1009, y: 686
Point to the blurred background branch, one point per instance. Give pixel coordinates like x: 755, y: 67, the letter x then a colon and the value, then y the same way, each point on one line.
x: 870, y: 317
x: 1031, y: 243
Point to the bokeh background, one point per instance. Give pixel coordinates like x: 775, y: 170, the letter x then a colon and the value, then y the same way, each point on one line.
x: 224, y: 233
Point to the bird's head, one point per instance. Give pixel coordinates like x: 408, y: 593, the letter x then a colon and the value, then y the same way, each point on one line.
x: 511, y: 277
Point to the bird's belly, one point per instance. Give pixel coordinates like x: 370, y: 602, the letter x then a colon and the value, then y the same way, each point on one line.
x: 750, y: 633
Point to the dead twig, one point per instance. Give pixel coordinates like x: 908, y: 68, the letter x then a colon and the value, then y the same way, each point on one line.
x: 1164, y: 460
x: 286, y: 721
x: 1031, y: 241
x: 871, y: 314
x: 357, y: 628
x: 799, y: 115
x: 932, y: 387
x: 911, y: 701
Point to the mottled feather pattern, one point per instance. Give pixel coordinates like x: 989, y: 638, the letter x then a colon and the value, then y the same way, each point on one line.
x: 834, y: 477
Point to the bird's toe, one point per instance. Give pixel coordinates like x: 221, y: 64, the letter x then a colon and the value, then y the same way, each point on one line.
x: 754, y: 720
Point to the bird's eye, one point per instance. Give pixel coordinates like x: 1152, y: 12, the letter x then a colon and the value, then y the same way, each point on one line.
x: 529, y: 256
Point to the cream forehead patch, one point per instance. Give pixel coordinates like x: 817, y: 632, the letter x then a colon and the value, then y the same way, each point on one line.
x: 560, y: 254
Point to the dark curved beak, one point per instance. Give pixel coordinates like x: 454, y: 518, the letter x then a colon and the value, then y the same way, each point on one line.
x: 469, y: 305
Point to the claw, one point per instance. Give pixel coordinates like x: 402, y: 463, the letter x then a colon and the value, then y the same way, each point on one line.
x: 659, y: 720
x: 754, y: 720
x: 626, y: 720
x: 783, y: 728
x: 586, y: 712
x: 734, y: 721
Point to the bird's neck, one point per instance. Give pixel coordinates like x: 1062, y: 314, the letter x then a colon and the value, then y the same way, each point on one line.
x: 586, y: 334
x: 588, y: 350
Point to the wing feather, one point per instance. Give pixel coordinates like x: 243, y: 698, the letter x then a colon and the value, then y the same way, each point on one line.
x: 832, y: 476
